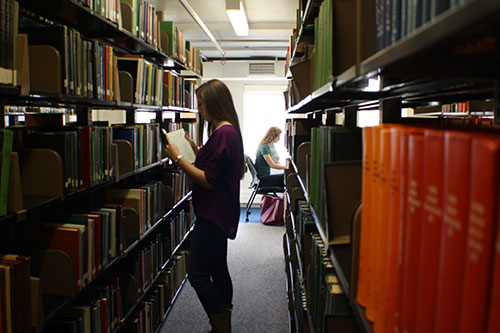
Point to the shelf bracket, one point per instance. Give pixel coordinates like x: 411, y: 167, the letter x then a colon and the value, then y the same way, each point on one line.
x: 390, y: 110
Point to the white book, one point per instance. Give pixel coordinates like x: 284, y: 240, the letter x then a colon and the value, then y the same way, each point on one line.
x: 179, y: 139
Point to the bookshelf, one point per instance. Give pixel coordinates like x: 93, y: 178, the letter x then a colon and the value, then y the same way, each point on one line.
x: 108, y: 185
x: 430, y: 77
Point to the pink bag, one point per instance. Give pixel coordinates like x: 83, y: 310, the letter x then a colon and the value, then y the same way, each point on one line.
x: 271, y: 212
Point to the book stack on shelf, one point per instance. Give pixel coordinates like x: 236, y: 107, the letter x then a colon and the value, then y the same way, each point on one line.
x: 409, y: 226
x: 95, y: 219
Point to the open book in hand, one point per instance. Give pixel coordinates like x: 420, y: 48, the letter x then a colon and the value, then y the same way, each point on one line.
x: 179, y: 139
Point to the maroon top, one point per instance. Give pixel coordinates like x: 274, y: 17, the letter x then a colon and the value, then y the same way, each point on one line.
x: 221, y: 159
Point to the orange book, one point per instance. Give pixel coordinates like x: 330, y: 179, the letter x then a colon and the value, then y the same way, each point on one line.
x: 484, y: 183
x: 67, y: 240
x: 373, y: 226
x: 394, y: 225
x: 383, y: 218
x: 394, y: 323
x: 365, y: 218
x: 412, y: 229
x: 493, y: 323
x: 453, y: 234
x: 432, y: 221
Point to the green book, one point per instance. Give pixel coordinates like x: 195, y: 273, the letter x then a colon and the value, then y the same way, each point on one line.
x: 169, y: 28
x: 6, y: 138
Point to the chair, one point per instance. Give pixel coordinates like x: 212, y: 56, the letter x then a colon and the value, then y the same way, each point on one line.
x: 255, y: 184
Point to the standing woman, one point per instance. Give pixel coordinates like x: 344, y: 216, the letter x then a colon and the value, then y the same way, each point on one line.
x: 216, y: 175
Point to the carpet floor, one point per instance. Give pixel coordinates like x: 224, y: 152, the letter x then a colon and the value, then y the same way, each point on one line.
x: 256, y: 265
x: 254, y: 216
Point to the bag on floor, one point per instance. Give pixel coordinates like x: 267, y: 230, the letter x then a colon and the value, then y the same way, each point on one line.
x: 271, y: 212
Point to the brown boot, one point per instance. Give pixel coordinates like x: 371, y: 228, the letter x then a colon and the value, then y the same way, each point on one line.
x: 229, y: 308
x: 221, y: 323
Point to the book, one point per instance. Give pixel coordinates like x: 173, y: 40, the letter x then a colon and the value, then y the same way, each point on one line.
x: 383, y: 218
x: 483, y: 210
x: 456, y: 189
x: 412, y: 229
x: 392, y: 278
x: 6, y: 140
x: 178, y: 138
x: 365, y: 216
x: 432, y: 220
x: 374, y: 223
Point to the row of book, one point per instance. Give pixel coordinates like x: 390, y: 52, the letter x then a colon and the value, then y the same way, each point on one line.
x: 178, y: 48
x: 428, y: 260
x: 8, y: 40
x: 324, y: 293
x: 178, y: 91
x: 396, y: 19
x: 17, y: 293
x: 106, y: 307
x: 110, y: 9
x: 84, y: 67
x: 87, y: 67
x: 144, y: 21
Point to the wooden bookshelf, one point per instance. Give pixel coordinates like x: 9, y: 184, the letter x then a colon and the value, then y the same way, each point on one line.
x: 450, y: 59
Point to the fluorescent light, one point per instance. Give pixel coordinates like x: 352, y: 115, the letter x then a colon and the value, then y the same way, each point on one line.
x: 236, y: 12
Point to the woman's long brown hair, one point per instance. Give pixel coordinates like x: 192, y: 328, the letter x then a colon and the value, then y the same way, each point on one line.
x: 218, y: 102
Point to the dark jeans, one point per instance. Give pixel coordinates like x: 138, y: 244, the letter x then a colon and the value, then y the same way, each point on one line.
x: 207, y: 272
x: 273, y: 180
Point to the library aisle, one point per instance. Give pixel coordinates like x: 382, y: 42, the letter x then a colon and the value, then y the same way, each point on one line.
x: 257, y: 267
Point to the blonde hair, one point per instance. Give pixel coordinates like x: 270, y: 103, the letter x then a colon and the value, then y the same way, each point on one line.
x: 271, y: 134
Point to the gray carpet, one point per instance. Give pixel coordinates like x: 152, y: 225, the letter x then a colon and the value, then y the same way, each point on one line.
x: 256, y: 265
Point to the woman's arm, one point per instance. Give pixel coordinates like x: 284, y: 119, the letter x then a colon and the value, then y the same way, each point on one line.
x: 271, y: 163
x: 196, y: 174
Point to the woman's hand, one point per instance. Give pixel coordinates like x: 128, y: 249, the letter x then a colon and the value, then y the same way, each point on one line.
x: 191, y: 143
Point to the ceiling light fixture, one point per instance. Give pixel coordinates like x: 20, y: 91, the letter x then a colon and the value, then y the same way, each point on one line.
x: 202, y: 25
x: 238, y: 17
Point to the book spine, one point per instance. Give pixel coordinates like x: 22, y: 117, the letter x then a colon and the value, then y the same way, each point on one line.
x: 453, y: 235
x: 484, y: 186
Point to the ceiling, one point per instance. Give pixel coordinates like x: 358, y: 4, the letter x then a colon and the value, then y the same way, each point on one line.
x: 270, y: 26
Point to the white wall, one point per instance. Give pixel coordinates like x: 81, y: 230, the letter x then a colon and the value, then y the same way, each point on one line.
x: 235, y: 75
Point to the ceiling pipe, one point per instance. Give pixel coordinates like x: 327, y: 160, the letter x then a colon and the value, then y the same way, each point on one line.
x: 202, y: 25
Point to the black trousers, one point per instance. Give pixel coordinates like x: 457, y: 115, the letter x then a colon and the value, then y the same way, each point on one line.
x: 273, y: 180
x: 207, y: 271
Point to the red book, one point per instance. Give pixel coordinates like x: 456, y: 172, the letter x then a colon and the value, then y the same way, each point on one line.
x: 373, y: 226
x: 365, y: 218
x: 394, y: 225
x: 484, y: 186
x: 431, y: 230
x: 67, y: 240
x: 382, y: 237
x: 453, y: 234
x: 104, y: 315
x: 412, y: 229
x: 493, y: 324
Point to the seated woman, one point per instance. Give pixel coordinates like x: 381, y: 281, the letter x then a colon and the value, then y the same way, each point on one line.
x: 267, y: 159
